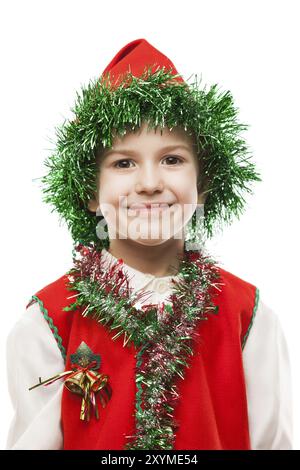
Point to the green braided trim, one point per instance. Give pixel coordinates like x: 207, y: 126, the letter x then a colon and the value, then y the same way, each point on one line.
x: 252, y: 318
x: 51, y: 325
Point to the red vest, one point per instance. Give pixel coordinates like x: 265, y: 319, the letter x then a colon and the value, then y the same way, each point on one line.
x: 212, y: 409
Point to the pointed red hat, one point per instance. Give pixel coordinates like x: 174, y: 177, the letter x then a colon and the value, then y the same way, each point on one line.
x: 135, y: 57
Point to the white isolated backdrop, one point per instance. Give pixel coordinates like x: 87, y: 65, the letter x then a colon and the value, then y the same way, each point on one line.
x: 50, y: 48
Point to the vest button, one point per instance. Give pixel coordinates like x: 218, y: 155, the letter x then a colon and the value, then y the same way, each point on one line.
x: 162, y: 287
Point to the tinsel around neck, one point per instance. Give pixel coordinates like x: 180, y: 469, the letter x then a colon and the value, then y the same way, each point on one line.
x: 162, y: 334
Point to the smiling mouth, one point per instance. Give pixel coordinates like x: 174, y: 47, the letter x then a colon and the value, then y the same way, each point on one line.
x: 154, y: 209
x: 149, y: 207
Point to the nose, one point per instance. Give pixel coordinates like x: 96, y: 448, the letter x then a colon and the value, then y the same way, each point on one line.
x: 149, y: 179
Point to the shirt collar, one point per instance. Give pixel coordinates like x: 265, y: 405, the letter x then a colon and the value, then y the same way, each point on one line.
x: 137, y: 279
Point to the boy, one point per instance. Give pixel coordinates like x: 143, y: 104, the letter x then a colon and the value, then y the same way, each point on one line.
x: 179, y: 353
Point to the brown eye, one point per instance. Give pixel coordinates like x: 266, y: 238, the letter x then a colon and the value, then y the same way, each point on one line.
x: 173, y: 157
x: 121, y: 161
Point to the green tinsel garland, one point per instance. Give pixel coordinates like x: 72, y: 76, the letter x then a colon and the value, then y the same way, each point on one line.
x: 209, y: 115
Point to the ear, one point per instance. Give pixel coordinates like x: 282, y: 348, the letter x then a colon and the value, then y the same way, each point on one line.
x: 93, y: 205
x: 202, y: 187
x: 201, y: 198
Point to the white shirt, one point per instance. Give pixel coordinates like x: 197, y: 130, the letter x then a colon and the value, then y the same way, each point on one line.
x: 32, y: 352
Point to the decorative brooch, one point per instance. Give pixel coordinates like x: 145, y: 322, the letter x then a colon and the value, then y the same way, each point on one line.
x: 83, y: 380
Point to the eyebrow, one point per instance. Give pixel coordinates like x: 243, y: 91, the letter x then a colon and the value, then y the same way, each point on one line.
x: 134, y: 153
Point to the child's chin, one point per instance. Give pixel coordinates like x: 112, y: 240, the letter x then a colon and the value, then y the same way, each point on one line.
x: 149, y: 242
x: 148, y: 232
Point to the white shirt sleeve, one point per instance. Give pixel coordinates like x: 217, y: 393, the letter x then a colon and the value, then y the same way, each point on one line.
x: 32, y: 352
x: 268, y: 383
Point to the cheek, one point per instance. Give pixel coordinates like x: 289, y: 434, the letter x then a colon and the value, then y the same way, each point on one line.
x: 185, y: 187
x: 113, y: 193
x: 185, y: 190
x: 112, y: 187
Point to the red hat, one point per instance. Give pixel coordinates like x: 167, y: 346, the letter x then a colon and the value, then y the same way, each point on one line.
x: 136, y: 57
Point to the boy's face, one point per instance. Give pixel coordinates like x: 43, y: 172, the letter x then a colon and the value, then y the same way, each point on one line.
x: 145, y: 167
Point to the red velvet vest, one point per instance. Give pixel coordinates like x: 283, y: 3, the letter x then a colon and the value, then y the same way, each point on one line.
x: 212, y: 408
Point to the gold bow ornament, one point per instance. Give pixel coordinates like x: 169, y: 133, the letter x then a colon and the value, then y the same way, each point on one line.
x: 83, y: 380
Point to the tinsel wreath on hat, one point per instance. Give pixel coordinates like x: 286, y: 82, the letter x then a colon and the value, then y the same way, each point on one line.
x: 142, y: 84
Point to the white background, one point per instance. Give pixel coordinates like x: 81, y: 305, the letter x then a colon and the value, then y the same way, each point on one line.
x: 50, y: 48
